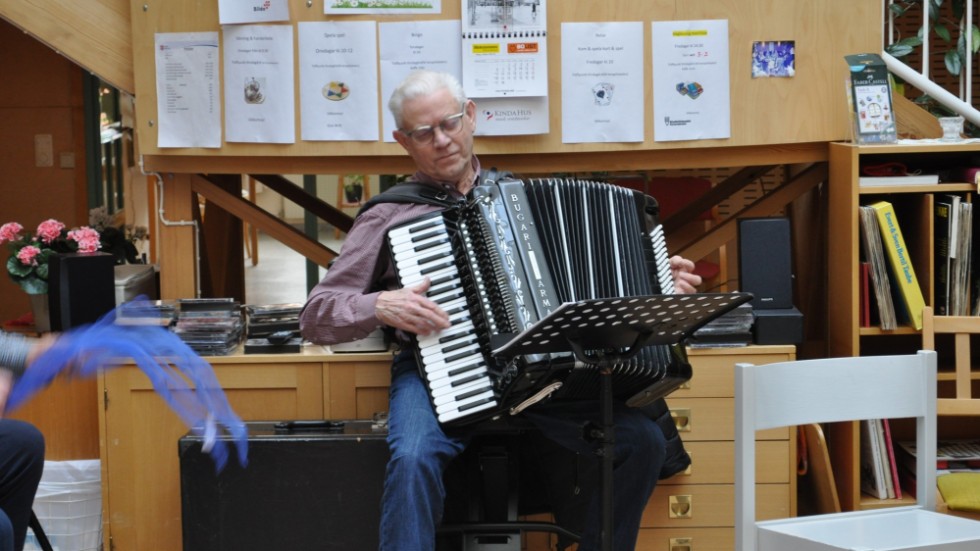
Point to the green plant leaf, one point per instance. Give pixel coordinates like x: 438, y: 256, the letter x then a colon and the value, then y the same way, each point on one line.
x: 975, y: 46
x: 16, y: 269
x: 942, y: 32
x: 898, y: 50
x: 953, y: 62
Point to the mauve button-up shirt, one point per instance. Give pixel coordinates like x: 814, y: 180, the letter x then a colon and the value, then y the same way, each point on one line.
x: 341, y: 307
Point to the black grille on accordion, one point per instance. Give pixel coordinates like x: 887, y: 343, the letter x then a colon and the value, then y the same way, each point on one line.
x: 514, y: 253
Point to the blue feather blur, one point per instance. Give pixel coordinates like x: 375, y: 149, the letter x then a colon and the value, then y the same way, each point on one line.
x: 163, y: 357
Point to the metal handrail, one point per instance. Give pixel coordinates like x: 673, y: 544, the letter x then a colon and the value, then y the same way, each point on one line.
x: 960, y: 105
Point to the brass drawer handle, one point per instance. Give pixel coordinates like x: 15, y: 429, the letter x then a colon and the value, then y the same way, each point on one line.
x: 682, y: 419
x: 681, y: 544
x: 681, y: 506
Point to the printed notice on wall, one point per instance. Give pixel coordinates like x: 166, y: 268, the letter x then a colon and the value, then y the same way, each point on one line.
x: 602, y: 82
x: 188, y: 111
x: 258, y: 80
x: 413, y: 45
x: 338, y: 80
x: 383, y: 7
x: 231, y: 12
x: 691, y: 96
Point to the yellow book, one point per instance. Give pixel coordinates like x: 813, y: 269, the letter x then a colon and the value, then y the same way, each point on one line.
x: 894, y: 243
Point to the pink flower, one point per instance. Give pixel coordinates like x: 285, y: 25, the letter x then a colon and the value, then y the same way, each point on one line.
x: 10, y: 232
x: 27, y: 254
x: 87, y: 239
x: 49, y: 230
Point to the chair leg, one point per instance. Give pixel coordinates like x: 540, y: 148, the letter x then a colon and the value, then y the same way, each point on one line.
x: 42, y: 538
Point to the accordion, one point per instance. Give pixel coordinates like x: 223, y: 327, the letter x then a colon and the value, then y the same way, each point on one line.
x: 509, y: 256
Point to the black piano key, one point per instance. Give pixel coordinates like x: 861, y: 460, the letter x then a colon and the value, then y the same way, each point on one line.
x: 436, y: 243
x: 464, y: 369
x: 466, y: 380
x: 437, y: 267
x: 474, y: 392
x: 457, y: 346
x: 476, y: 403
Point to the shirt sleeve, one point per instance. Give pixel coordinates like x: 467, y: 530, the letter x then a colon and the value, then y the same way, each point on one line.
x: 13, y: 352
x: 341, y: 307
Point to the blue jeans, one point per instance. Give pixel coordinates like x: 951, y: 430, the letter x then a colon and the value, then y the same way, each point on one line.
x: 412, y: 506
x: 21, y: 466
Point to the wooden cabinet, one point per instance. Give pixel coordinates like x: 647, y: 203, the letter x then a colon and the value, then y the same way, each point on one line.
x: 695, y: 509
x: 914, y: 207
x: 141, y: 473
x: 139, y: 433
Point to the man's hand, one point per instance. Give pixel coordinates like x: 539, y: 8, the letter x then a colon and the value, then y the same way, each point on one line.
x: 685, y: 280
x: 408, y: 309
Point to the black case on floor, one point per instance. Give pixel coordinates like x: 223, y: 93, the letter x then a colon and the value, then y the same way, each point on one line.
x: 308, y: 485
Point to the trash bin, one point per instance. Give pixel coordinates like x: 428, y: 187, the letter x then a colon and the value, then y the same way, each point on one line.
x: 68, y: 505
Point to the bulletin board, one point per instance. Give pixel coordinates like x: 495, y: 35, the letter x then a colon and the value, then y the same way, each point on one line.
x: 772, y: 119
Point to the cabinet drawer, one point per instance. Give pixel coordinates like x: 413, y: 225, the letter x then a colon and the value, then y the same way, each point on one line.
x: 711, y: 463
x: 714, y: 374
x: 686, y: 539
x: 706, y: 505
x: 712, y: 419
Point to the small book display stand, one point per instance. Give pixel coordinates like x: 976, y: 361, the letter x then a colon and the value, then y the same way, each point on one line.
x: 609, y: 331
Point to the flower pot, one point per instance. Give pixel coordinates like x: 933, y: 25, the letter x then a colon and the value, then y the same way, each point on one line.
x: 42, y: 316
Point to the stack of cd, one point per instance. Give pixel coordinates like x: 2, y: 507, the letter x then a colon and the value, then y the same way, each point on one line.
x: 272, y: 328
x: 731, y: 329
x: 146, y: 312
x: 210, y: 326
x: 263, y: 320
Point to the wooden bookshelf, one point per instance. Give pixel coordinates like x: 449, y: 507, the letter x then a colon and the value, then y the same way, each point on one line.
x: 914, y: 205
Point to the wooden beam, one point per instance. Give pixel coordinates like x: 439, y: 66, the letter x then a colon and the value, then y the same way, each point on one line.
x: 714, y: 196
x: 249, y: 212
x: 764, y: 206
x: 520, y: 163
x: 322, y: 210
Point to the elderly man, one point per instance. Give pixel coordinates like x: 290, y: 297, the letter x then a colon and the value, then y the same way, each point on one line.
x: 360, y: 293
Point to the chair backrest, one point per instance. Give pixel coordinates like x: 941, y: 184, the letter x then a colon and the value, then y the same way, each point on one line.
x: 963, y: 402
x: 831, y: 390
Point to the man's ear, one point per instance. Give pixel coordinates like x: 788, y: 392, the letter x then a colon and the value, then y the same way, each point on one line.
x: 402, y: 139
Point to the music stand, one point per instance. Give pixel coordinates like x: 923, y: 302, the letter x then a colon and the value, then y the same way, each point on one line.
x: 609, y: 331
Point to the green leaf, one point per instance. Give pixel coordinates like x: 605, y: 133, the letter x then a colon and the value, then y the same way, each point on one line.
x: 899, y: 50
x: 942, y: 31
x: 16, y: 268
x: 953, y: 62
x: 975, y: 46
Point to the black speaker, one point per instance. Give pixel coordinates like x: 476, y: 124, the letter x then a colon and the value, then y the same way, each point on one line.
x: 765, y: 262
x: 81, y: 288
x: 308, y: 485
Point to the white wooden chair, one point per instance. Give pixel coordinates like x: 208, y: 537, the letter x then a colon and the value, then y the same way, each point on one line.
x: 834, y: 390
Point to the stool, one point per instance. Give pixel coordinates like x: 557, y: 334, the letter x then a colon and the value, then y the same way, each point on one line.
x: 495, y: 481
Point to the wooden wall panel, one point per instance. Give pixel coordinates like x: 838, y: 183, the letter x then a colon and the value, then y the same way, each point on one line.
x: 808, y: 108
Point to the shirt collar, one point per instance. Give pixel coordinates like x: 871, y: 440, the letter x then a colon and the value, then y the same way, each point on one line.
x: 449, y: 186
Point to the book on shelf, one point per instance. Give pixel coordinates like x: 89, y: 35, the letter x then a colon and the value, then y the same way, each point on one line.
x: 957, y: 455
x: 864, y: 293
x: 875, y: 255
x: 942, y: 226
x: 904, y: 180
x: 902, y: 271
x: 872, y: 472
x: 890, y: 457
x: 960, y: 252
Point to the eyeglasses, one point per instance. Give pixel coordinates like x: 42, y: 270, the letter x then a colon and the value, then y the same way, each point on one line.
x: 449, y: 125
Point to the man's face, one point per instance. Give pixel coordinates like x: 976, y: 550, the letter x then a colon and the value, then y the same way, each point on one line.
x: 447, y: 156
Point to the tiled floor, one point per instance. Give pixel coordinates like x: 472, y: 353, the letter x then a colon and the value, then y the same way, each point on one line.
x: 280, y: 275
